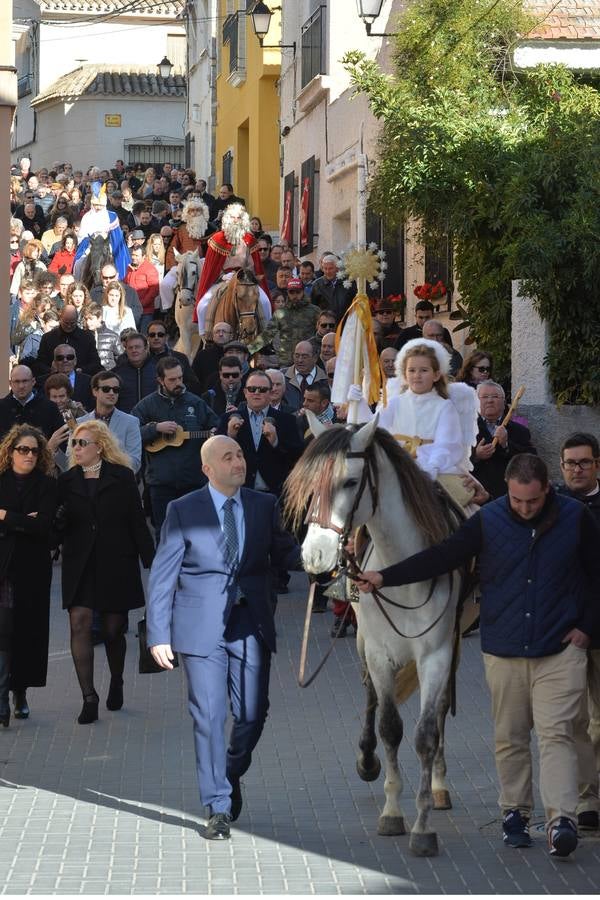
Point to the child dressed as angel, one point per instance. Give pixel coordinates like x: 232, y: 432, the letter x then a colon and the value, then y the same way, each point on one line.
x: 435, y: 422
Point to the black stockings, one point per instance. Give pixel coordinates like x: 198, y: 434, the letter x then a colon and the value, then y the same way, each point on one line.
x: 82, y: 646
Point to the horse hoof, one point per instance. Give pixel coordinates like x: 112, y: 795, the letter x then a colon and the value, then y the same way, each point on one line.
x: 369, y: 774
x: 441, y: 800
x: 423, y: 844
x: 390, y: 825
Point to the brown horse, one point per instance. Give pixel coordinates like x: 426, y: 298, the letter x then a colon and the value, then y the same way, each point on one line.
x: 237, y: 303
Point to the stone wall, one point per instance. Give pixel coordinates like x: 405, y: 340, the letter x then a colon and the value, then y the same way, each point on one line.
x: 548, y: 424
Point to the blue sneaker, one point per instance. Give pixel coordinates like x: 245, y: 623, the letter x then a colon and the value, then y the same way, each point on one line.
x: 515, y: 829
x: 562, y: 837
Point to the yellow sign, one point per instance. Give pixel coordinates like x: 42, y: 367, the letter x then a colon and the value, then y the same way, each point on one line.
x: 112, y: 121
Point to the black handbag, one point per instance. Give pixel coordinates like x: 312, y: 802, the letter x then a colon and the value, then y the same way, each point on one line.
x: 147, y: 664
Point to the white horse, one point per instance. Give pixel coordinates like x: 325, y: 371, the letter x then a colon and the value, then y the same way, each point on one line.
x: 189, y: 267
x: 366, y: 478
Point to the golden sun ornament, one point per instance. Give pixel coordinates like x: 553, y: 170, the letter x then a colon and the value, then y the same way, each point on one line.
x: 363, y: 265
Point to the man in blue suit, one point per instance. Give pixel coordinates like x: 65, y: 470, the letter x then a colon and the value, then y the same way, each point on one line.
x: 209, y: 600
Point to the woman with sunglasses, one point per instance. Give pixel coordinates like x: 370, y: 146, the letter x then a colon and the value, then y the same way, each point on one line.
x: 27, y: 506
x: 104, y: 533
x: 477, y: 367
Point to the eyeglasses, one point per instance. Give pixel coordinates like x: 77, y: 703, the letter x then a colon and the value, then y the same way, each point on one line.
x: 64, y: 357
x: 482, y: 368
x: 255, y: 389
x: 582, y: 464
x: 230, y: 374
x: 25, y: 451
x: 152, y: 334
x: 81, y: 442
x: 108, y: 388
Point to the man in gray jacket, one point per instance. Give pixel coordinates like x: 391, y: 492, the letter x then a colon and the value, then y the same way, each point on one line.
x: 106, y: 387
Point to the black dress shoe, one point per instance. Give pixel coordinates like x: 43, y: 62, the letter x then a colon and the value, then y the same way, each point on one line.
x: 218, y: 827
x: 236, y: 799
x: 89, y: 710
x: 588, y: 820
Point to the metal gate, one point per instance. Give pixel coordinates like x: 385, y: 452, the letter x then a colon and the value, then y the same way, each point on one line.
x: 155, y: 151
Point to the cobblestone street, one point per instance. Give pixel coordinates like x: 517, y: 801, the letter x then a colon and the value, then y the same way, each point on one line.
x: 113, y: 808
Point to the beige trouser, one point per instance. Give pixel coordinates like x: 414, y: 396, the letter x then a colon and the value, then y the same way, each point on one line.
x: 587, y: 737
x: 546, y: 694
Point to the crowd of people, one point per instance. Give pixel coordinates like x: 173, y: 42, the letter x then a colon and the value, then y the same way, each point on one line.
x: 103, y: 428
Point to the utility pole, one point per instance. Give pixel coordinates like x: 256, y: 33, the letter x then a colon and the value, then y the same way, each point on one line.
x: 8, y: 103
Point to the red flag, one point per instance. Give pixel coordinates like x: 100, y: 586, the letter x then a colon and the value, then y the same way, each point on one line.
x: 304, y: 210
x: 286, y: 228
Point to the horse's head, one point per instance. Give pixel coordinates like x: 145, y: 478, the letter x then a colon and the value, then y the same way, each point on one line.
x: 100, y: 255
x: 245, y: 298
x: 188, y: 275
x: 336, y: 473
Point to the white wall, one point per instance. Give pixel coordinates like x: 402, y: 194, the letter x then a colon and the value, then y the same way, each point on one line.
x: 135, y: 43
x: 76, y: 132
x: 200, y: 109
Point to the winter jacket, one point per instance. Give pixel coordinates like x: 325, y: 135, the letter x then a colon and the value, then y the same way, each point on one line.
x: 137, y: 382
x: 537, y: 576
x: 179, y: 467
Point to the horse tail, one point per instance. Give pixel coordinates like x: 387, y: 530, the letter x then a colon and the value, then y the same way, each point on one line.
x: 406, y: 682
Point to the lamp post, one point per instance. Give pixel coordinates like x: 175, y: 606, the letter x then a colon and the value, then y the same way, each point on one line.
x: 261, y: 22
x: 368, y: 11
x: 164, y: 67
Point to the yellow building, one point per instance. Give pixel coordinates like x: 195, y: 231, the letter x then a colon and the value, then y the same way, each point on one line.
x: 247, y: 115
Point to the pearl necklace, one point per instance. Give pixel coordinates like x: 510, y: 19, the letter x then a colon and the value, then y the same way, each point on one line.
x: 95, y: 467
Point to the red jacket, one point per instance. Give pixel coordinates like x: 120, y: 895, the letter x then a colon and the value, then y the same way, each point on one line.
x: 62, y: 258
x: 145, y: 281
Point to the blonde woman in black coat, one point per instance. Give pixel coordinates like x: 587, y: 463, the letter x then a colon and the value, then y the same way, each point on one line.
x: 27, y: 507
x: 104, y: 534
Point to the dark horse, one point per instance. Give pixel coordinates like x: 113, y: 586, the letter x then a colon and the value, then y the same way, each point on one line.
x: 100, y: 255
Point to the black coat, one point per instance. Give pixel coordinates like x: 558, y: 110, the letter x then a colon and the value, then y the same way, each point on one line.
x: 273, y: 463
x: 40, y: 412
x: 206, y: 365
x: 415, y: 331
x: 332, y: 296
x: 107, y: 532
x: 25, y: 559
x: 490, y: 472
x: 82, y: 341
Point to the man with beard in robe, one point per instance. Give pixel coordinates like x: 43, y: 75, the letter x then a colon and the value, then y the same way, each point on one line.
x: 188, y: 237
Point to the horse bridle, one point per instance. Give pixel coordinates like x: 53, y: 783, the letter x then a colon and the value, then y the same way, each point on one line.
x: 347, y: 563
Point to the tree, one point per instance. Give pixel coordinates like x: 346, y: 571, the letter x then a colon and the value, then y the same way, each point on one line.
x: 505, y: 161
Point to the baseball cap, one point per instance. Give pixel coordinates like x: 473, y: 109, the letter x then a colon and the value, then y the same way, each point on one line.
x: 294, y: 284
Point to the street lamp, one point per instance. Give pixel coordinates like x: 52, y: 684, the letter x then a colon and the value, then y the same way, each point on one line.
x: 261, y: 22
x: 164, y: 67
x: 368, y: 11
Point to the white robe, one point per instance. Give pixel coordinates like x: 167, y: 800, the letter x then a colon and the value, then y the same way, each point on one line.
x: 429, y: 416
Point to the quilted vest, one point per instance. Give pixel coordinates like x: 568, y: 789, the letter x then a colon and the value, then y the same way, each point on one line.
x: 533, y: 586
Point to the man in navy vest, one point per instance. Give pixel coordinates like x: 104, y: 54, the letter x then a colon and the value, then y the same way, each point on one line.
x: 209, y: 599
x: 539, y: 571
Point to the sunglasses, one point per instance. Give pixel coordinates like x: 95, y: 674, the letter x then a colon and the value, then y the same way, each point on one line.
x: 152, y: 334
x: 109, y: 388
x: 64, y: 357
x: 255, y: 389
x: 483, y: 368
x: 25, y: 451
x: 326, y: 324
x: 81, y: 442
x: 230, y: 374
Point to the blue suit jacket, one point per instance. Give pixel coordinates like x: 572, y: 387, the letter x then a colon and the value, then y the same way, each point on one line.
x: 191, y: 586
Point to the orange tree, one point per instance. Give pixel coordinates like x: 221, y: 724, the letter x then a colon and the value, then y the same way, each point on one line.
x: 504, y: 160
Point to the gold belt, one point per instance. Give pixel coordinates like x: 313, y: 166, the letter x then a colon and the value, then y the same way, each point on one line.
x: 412, y: 443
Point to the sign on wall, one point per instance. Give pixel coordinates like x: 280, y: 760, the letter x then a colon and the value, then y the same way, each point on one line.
x: 112, y: 121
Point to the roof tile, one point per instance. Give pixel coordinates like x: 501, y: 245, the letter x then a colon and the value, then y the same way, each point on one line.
x: 113, y: 80
x: 566, y: 20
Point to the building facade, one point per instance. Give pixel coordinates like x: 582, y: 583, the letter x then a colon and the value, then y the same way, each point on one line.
x: 200, y: 19
x: 247, y: 126
x: 56, y: 37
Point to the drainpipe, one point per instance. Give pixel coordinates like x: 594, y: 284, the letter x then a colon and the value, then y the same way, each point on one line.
x: 8, y: 103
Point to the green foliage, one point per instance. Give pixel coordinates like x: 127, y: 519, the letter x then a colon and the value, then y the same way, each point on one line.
x: 505, y: 161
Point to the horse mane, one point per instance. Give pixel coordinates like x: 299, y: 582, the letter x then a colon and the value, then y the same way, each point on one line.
x: 323, y: 463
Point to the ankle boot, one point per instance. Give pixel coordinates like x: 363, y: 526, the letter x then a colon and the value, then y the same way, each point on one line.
x: 21, y: 705
x: 89, y: 710
x: 114, y: 699
x: 4, y: 678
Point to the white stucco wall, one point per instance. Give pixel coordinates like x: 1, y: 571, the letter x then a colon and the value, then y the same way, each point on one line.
x: 76, y: 131
x: 200, y: 77
x: 136, y: 43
